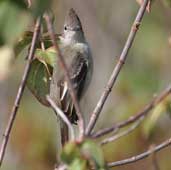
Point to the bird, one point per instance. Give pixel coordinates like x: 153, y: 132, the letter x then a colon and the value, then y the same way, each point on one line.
x: 78, y: 57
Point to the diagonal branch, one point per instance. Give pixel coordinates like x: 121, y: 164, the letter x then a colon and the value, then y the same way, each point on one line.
x: 137, y: 116
x: 117, y: 69
x: 20, y: 91
x: 124, y: 133
x: 66, y: 73
x: 62, y: 116
x: 141, y: 156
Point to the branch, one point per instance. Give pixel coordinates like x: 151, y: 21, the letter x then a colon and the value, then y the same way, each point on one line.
x: 137, y: 116
x: 124, y: 133
x: 66, y: 73
x: 117, y: 68
x: 62, y: 116
x: 141, y: 156
x: 29, y: 2
x: 20, y: 92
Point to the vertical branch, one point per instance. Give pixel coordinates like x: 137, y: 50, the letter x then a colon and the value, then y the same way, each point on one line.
x: 66, y: 73
x: 117, y: 68
x: 29, y: 2
x: 20, y: 92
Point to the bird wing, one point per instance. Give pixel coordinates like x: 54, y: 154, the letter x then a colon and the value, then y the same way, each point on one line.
x: 78, y: 72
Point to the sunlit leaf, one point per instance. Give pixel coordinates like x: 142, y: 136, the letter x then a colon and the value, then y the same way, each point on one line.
x: 38, y: 80
x: 49, y: 55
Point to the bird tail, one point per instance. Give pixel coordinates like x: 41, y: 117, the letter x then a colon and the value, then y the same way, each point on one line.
x: 64, y: 132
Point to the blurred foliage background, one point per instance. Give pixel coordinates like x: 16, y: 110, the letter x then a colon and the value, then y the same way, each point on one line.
x: 145, y: 74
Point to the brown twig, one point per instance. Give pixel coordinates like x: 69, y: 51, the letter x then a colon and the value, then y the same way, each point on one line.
x: 117, y: 68
x: 141, y: 156
x: 124, y: 133
x: 66, y: 73
x: 29, y: 2
x: 137, y: 116
x: 61, y: 114
x: 20, y: 92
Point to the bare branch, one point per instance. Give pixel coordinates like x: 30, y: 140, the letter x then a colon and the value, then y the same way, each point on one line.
x: 117, y: 68
x: 66, y: 73
x: 29, y: 2
x: 141, y: 156
x: 137, y: 116
x: 124, y: 133
x: 20, y: 91
x: 62, y: 115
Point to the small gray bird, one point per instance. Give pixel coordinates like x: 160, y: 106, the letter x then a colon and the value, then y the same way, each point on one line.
x: 78, y: 58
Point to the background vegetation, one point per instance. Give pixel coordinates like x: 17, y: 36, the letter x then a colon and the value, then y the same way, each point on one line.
x: 145, y: 74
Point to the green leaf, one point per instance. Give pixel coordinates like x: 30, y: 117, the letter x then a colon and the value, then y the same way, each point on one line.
x: 83, y: 156
x: 78, y: 164
x: 38, y: 80
x: 46, y: 55
x: 94, y: 152
x: 49, y: 56
x: 20, y: 3
x: 70, y: 153
x: 13, y: 21
x: 168, y: 108
x: 23, y: 42
x: 151, y: 122
x: 39, y: 7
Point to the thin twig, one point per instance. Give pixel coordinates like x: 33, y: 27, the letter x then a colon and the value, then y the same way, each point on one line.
x: 141, y: 156
x: 20, y: 91
x: 117, y: 68
x: 59, y: 112
x: 29, y: 3
x: 66, y: 73
x: 140, y: 114
x: 124, y: 133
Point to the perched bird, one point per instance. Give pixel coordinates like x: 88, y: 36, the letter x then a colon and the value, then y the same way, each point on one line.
x: 77, y: 55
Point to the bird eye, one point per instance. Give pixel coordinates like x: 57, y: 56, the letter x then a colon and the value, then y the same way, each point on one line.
x: 65, y: 28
